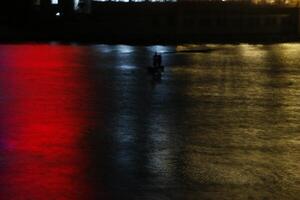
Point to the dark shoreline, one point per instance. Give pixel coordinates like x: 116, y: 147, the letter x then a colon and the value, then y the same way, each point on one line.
x: 146, y: 42
x: 159, y: 23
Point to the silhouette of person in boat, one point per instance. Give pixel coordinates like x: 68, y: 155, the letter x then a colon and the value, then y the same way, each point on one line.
x: 156, y: 69
x: 157, y: 60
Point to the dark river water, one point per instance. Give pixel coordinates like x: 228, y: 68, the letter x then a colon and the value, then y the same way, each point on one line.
x: 88, y: 122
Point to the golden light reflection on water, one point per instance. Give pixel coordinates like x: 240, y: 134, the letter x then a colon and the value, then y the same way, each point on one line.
x: 244, y: 102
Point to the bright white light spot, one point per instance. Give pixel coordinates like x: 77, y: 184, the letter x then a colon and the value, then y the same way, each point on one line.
x: 57, y: 14
x: 54, y: 1
x: 127, y: 67
x: 160, y: 49
x: 125, y: 48
x: 76, y: 2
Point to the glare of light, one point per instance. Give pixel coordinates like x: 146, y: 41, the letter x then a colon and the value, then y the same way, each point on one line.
x: 160, y: 49
x: 127, y: 67
x: 57, y: 14
x: 249, y: 52
x: 76, y: 2
x: 288, y: 51
x: 54, y: 1
x: 124, y: 48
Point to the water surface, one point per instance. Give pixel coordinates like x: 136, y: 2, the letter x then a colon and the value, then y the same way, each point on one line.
x: 88, y: 122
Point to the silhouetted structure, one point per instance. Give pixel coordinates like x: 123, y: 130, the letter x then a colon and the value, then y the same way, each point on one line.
x: 193, y: 21
x: 146, y: 21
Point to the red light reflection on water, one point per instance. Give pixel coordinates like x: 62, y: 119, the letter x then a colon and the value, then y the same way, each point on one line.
x: 43, y: 120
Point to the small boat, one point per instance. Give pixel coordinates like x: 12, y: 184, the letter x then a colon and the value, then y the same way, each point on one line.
x: 156, y: 69
x: 156, y: 76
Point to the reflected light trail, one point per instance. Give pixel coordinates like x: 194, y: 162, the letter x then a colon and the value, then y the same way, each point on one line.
x: 160, y: 49
x: 124, y: 48
x: 42, y: 123
x: 127, y: 67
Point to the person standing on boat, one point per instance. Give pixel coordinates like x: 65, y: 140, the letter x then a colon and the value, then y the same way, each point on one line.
x: 159, y: 60
x: 155, y: 60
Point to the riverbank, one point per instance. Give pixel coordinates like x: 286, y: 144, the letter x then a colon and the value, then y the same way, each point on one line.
x: 163, y: 23
x: 148, y: 41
